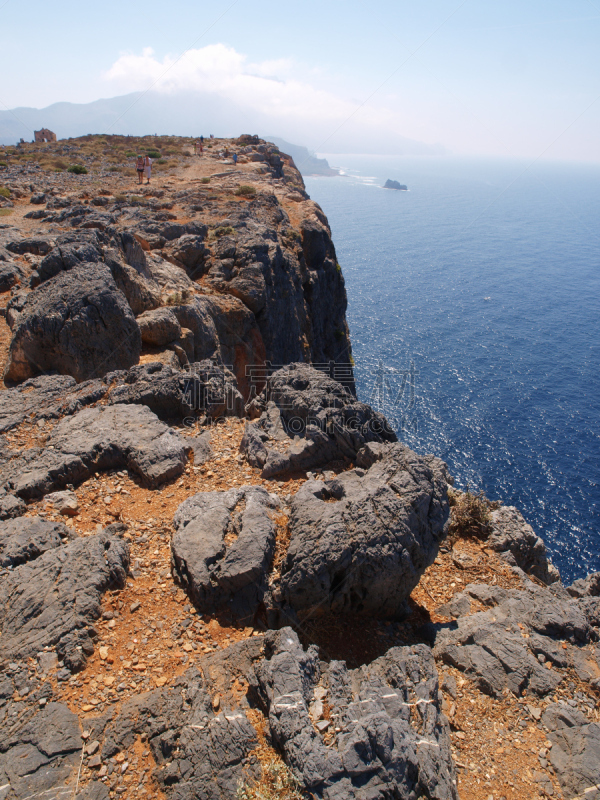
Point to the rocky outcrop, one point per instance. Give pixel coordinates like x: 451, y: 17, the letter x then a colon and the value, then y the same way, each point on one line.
x: 95, y: 439
x: 205, y: 389
x: 223, y: 548
x: 26, y: 539
x: 575, y: 751
x: 78, y: 324
x: 385, y: 735
x: 360, y: 542
x: 159, y: 327
x: 390, y: 184
x: 55, y: 599
x: 40, y: 752
x: 522, y: 642
x: 516, y: 542
x: 313, y: 420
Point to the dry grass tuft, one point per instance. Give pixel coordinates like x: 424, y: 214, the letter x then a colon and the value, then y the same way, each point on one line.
x: 470, y: 515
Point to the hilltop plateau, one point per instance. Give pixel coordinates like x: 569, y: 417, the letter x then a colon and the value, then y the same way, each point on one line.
x: 221, y: 575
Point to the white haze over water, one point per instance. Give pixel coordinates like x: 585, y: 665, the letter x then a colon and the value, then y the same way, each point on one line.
x: 487, y: 278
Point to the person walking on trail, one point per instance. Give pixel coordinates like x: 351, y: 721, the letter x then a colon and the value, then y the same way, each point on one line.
x: 195, y: 148
x: 148, y: 167
x: 234, y: 158
x: 139, y: 165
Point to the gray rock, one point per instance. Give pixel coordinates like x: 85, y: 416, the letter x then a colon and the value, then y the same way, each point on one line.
x: 205, y: 389
x: 199, y: 754
x: 11, y: 273
x: 320, y: 414
x: 586, y: 587
x: 78, y: 324
x: 25, y: 539
x: 516, y: 541
x: 55, y: 599
x: 362, y: 541
x: 66, y: 502
x: 10, y: 506
x: 390, y: 184
x: 47, y: 397
x: 500, y: 649
x: 159, y: 327
x: 575, y: 752
x: 201, y: 448
x: 95, y: 439
x: 223, y: 545
x: 39, y: 753
x: 38, y: 247
x: 378, y: 751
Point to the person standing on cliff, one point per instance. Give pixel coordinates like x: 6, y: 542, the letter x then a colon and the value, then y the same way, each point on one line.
x: 148, y: 168
x: 139, y: 165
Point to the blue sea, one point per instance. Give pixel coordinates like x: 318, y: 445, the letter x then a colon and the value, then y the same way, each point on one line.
x: 474, y: 312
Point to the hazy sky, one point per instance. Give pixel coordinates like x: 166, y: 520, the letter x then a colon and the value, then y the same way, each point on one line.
x: 479, y: 77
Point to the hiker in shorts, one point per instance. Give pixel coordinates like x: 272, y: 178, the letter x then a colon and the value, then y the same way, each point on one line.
x: 139, y: 165
x: 148, y: 167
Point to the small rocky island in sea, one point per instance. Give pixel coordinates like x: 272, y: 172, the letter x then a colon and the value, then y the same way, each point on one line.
x: 390, y: 184
x: 221, y: 575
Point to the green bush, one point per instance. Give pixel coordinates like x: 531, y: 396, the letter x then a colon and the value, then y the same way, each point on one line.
x: 3, y: 165
x: 204, y: 180
x: 4, y: 191
x: 245, y: 190
x: 153, y: 154
x: 130, y: 154
x: 5, y: 212
x: 77, y: 169
x: 161, y: 161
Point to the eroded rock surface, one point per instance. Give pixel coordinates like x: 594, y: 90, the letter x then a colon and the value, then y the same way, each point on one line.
x: 362, y: 541
x: 575, y: 751
x: 314, y: 419
x: 106, y: 437
x: 522, y: 641
x: 25, y: 539
x: 389, y: 737
x: 54, y: 600
x: 516, y: 541
x: 77, y: 323
x: 223, y: 548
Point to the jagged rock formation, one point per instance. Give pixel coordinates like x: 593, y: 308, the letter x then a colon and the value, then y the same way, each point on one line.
x: 78, y: 324
x: 228, y: 285
x: 175, y: 541
x: 360, y: 542
x: 97, y: 439
x: 313, y: 419
x: 516, y: 643
x: 26, y: 539
x: 55, y: 599
x: 380, y: 749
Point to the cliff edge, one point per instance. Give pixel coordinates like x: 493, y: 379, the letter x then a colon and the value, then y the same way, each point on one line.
x: 221, y: 575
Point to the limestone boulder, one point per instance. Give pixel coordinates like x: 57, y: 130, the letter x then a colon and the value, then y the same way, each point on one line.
x: 361, y: 542
x: 77, y: 323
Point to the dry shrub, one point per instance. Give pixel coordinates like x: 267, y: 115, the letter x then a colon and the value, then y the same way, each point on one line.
x: 470, y: 515
x: 276, y: 783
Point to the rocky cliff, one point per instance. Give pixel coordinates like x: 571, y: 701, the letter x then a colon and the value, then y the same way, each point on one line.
x: 221, y: 575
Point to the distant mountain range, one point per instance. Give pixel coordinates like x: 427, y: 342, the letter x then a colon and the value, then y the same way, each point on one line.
x: 192, y: 114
